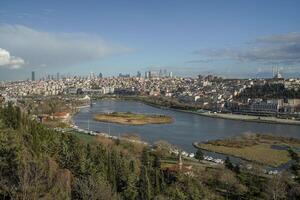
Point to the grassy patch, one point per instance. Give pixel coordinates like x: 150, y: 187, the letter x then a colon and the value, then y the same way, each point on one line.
x: 261, y: 153
x: 83, y: 136
x: 256, y: 148
x: 132, y: 118
x: 55, y: 123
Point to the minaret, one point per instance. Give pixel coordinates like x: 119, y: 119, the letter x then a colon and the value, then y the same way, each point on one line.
x: 179, y: 161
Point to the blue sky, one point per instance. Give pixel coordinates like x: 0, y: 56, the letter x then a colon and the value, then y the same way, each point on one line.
x: 229, y: 38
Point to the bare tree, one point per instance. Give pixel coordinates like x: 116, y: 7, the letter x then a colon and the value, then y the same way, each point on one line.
x: 276, y: 188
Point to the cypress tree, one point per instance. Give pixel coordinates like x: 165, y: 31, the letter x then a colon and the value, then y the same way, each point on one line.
x: 17, y: 117
x: 156, y: 163
x: 132, y: 166
x: 144, y: 185
x: 145, y: 158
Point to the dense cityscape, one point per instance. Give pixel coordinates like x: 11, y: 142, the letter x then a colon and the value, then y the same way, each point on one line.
x: 211, y: 93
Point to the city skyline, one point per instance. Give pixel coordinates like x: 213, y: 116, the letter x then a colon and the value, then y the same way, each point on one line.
x: 274, y: 71
x: 235, y: 39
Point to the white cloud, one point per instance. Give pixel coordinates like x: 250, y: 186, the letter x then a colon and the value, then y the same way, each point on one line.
x: 55, y: 49
x: 7, y: 60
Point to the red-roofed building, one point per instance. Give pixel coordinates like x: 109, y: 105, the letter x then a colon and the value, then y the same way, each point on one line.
x: 61, y: 115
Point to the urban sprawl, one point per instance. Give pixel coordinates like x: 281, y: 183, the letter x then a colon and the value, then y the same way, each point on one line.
x: 206, y: 93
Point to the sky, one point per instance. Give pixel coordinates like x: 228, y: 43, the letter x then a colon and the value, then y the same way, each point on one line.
x: 188, y: 37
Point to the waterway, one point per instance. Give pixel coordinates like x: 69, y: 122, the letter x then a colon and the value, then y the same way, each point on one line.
x: 186, y: 128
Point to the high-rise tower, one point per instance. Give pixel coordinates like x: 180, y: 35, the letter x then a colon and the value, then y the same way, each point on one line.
x: 33, y: 76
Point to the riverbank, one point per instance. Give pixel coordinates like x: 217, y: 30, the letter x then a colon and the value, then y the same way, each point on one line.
x: 262, y: 149
x: 132, y: 118
x: 249, y: 118
x: 190, y: 109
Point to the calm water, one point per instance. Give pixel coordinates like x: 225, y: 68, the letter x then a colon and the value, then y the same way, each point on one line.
x: 186, y: 128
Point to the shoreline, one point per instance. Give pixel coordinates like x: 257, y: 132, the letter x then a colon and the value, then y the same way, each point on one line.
x: 248, y: 118
x: 225, y: 116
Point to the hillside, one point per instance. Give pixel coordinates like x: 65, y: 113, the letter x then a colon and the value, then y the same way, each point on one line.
x: 40, y: 163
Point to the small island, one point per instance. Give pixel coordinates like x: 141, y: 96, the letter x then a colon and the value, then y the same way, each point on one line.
x: 129, y: 118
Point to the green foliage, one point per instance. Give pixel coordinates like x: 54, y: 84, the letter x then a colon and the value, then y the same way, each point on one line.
x: 199, y: 155
x: 157, y: 162
x: 40, y: 163
x: 11, y: 116
x: 294, y: 155
x: 144, y: 184
x: 228, y: 164
x: 92, y: 188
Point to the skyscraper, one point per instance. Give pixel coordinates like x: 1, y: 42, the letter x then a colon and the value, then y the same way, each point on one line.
x: 148, y: 74
x: 57, y: 76
x: 33, y: 75
x: 160, y: 74
x: 165, y: 73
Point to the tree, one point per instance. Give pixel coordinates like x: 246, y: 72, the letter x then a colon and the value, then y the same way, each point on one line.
x: 293, y: 155
x: 12, y: 116
x: 237, y: 169
x: 132, y: 166
x: 144, y: 185
x: 111, y: 170
x: 156, y: 162
x: 131, y: 192
x: 91, y: 188
x: 228, y: 163
x: 199, y: 155
x: 122, y: 173
x: 145, y: 159
x: 157, y: 182
x: 9, y: 162
x: 276, y: 188
x: 228, y: 181
x: 18, y: 119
